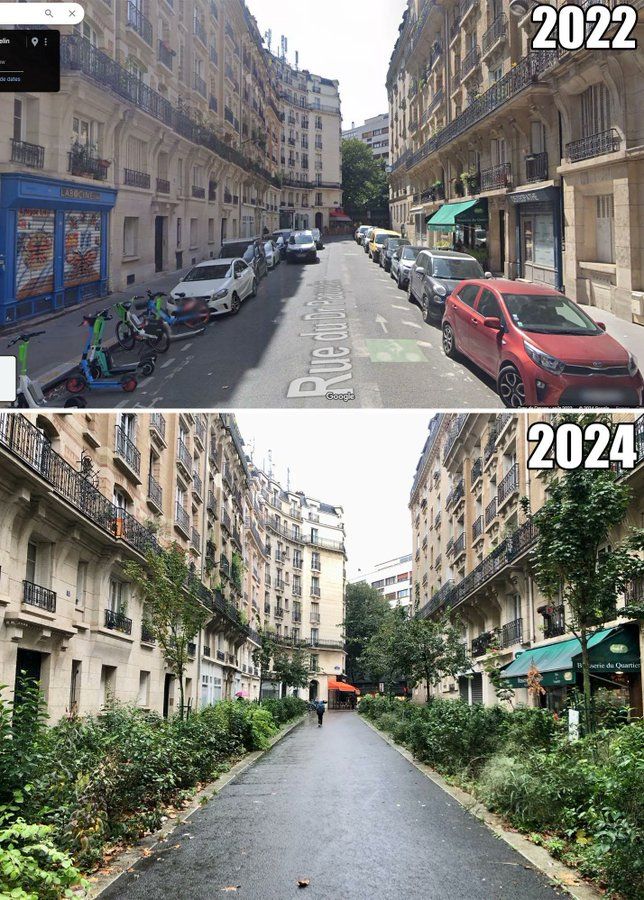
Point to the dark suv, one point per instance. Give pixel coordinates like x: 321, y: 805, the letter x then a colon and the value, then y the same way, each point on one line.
x: 251, y: 250
x: 434, y: 276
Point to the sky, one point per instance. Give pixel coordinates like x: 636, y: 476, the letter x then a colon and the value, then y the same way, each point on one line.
x: 339, y: 39
x: 362, y: 460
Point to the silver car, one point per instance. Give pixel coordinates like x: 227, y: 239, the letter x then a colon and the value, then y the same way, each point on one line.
x: 401, y: 263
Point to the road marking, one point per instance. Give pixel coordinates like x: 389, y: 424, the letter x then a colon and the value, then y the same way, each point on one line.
x: 380, y: 320
x: 404, y: 308
x: 391, y: 351
x: 413, y: 325
x: 166, y: 364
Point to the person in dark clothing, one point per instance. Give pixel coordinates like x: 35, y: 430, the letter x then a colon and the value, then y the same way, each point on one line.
x: 320, y: 709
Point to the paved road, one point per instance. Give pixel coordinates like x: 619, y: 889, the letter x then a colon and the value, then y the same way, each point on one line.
x: 389, y: 357
x: 342, y: 808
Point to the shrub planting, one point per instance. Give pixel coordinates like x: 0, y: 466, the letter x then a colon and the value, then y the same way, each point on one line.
x: 584, y: 800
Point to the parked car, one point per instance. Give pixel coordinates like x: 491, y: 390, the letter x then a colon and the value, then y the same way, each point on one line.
x: 401, y: 264
x: 366, y: 240
x: 540, y: 347
x: 388, y: 250
x: 360, y: 233
x: 280, y: 239
x: 251, y: 250
x: 317, y: 237
x: 434, y: 276
x: 377, y: 242
x: 223, y: 283
x: 272, y: 253
x: 301, y: 248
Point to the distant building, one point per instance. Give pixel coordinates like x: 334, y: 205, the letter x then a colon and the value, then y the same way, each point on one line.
x: 374, y: 133
x: 393, y: 579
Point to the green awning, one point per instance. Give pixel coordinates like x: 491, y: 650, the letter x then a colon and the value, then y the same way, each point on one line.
x: 468, y: 212
x: 559, y: 663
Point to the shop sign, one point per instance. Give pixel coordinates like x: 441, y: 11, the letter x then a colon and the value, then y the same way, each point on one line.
x: 521, y: 197
x: 79, y: 194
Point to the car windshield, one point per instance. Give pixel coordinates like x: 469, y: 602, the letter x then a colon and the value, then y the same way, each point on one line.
x: 392, y: 243
x: 249, y: 254
x: 456, y: 269
x: 301, y: 239
x: 548, y: 314
x: 316, y: 232
x: 268, y: 248
x: 381, y: 238
x: 231, y: 251
x: 208, y: 273
x: 410, y: 253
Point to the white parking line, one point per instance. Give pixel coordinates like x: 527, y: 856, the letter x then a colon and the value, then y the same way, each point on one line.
x: 413, y: 325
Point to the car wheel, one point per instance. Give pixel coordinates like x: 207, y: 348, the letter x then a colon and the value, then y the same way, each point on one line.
x: 235, y: 305
x: 449, y: 341
x: 253, y: 290
x: 401, y: 286
x: 511, y: 388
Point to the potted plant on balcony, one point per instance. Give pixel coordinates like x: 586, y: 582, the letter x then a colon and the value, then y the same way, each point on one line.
x: 472, y: 180
x: 459, y: 186
x: 438, y: 190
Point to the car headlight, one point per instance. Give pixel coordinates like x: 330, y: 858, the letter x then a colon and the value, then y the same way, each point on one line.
x: 440, y: 290
x: 220, y: 294
x: 633, y: 367
x: 544, y: 360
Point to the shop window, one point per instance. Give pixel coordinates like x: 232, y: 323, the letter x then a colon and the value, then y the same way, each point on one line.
x: 605, y: 229
x: 130, y: 236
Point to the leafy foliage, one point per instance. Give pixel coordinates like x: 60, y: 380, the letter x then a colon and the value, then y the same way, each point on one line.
x: 366, y: 610
x: 365, y: 187
x: 31, y: 868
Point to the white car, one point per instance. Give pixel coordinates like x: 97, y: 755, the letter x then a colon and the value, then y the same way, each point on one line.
x: 223, y: 283
x: 272, y: 255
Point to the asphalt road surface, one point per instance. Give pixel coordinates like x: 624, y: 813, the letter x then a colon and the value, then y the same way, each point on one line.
x: 341, y: 808
x: 343, y: 319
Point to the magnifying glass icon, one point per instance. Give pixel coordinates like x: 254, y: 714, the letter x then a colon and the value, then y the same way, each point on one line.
x: 49, y: 13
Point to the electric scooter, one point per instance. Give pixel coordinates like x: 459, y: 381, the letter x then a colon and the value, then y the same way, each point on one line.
x: 89, y: 377
x: 194, y: 312
x: 29, y: 394
x: 133, y: 328
x: 100, y: 360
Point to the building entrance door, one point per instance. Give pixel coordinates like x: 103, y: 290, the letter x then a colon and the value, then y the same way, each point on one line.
x: 159, y: 243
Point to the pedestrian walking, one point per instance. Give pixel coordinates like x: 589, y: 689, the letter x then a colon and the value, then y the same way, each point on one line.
x: 320, y: 709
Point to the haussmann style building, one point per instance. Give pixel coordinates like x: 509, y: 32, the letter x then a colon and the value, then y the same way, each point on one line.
x: 534, y: 158
x: 83, y: 494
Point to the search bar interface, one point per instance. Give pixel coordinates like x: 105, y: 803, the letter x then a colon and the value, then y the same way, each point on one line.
x: 41, y: 13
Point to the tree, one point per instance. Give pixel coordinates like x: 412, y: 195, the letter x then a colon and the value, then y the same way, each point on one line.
x: 365, y: 186
x: 263, y: 655
x: 366, y: 610
x: 174, y: 614
x: 379, y: 656
x: 292, y: 667
x: 573, y: 560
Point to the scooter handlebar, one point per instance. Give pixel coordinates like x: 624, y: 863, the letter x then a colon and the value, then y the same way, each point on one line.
x: 26, y: 337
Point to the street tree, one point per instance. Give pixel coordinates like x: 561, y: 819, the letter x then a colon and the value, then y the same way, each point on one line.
x: 574, y: 562
x: 380, y: 656
x: 292, y: 667
x: 430, y: 649
x: 366, y: 610
x: 263, y: 655
x: 173, y: 612
x: 365, y: 187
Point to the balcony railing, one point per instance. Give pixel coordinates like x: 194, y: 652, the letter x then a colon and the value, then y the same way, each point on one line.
x: 81, y: 164
x: 536, y: 167
x: 163, y: 186
x: 181, y: 518
x: 200, y: 85
x: 512, y: 633
x: 155, y: 491
x: 495, y: 32
x: 477, y: 470
x: 314, y: 618
x: 147, y: 635
x: 490, y: 512
x: 459, y: 545
x: 477, y: 528
x: 279, y: 612
x: 470, y: 61
x: 496, y: 178
x: 137, y: 21
x: 116, y: 621
x: 315, y: 591
x: 593, y: 145
x: 199, y: 193
x: 26, y: 154
x: 136, y: 179
x: 127, y: 450
x: 166, y: 56
x: 224, y: 565
x: 157, y: 422
x: 195, y: 539
x: 197, y: 484
x: 554, y: 624
x: 211, y: 504
x: 509, y: 485
x: 183, y: 456
x: 481, y: 644
x: 36, y: 595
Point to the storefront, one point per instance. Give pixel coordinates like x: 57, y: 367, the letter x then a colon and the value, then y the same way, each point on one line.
x: 614, y: 664
x: 461, y: 225
x: 539, y: 235
x: 54, y: 242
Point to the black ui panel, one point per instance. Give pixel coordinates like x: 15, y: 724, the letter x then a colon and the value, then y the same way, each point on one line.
x: 30, y: 60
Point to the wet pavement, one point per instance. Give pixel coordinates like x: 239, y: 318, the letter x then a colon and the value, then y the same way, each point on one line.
x: 339, y: 807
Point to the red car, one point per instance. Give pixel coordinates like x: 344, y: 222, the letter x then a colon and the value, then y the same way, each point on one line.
x: 539, y: 346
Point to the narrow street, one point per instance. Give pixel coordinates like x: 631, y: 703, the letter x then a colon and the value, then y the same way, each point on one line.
x: 340, y: 807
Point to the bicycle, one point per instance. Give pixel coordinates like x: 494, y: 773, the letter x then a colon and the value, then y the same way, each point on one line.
x: 133, y: 329
x: 194, y: 312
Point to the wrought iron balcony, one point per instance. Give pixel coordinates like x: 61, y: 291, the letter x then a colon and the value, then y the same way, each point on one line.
x: 137, y: 21
x: 496, y: 178
x: 157, y: 423
x: 136, y: 179
x: 512, y: 633
x: 221, y: 656
x: 166, y: 55
x: 314, y: 618
x: 200, y: 31
x: 147, y: 635
x: 554, y: 624
x: 469, y: 63
x: 297, y: 591
x: 211, y: 504
x: 279, y: 612
x: 199, y: 193
x: 593, y: 145
x: 155, y: 491
x: 81, y: 163
x: 477, y: 528
x: 477, y: 469
x: 459, y: 545
x: 536, y: 167
x: 199, y: 85
x: 36, y: 595
x: 127, y: 450
x: 315, y: 591
x: 496, y: 31
x: 224, y: 565
x: 183, y: 456
x: 116, y: 621
x: 181, y: 518
x: 195, y: 539
x: 26, y: 154
x: 279, y: 585
x: 163, y: 186
x: 490, y: 512
x: 481, y: 644
x: 509, y: 485
x: 197, y: 484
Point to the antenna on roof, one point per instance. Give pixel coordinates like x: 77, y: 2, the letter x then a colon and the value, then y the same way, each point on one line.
x: 268, y: 37
x: 270, y: 463
x: 297, y: 59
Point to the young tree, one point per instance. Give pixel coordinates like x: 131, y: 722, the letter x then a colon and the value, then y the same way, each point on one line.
x: 292, y: 667
x: 429, y: 649
x: 573, y: 560
x: 380, y: 657
x: 263, y: 655
x: 366, y: 610
x: 364, y: 181
x: 173, y: 611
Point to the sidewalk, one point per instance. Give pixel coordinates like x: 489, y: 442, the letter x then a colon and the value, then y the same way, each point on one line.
x: 54, y: 354
x: 630, y: 334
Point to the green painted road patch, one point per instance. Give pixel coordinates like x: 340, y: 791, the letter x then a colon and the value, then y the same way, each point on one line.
x: 390, y: 351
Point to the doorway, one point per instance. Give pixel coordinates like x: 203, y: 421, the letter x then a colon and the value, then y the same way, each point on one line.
x: 168, y: 695
x: 502, y: 242
x: 319, y: 221
x: 160, y: 223
x: 28, y: 670
x: 313, y: 690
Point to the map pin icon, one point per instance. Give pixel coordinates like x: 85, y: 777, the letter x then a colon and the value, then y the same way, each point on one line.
x: 34, y: 41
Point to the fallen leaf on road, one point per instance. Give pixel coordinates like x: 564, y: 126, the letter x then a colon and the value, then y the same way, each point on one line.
x: 231, y: 887
x: 303, y: 882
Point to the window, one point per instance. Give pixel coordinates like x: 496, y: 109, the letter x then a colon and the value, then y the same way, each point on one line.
x: 130, y: 236
x: 179, y: 232
x: 117, y: 595
x: 18, y: 121
x: 75, y: 687
x: 605, y: 229
x: 194, y: 232
x: 32, y: 562
x: 595, y: 110
x: 489, y: 306
x: 211, y: 231
x: 107, y: 684
x: 313, y: 663
x: 143, y: 698
x: 537, y: 137
x: 136, y: 155
x: 315, y: 636
x: 81, y: 584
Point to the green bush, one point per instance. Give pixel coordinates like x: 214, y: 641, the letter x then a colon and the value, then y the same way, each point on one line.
x: 31, y: 868
x: 530, y: 727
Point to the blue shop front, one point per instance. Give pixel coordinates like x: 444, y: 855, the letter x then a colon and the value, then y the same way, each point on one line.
x: 54, y: 244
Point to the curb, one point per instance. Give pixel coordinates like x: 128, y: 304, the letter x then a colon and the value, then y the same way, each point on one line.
x: 562, y: 876
x: 126, y: 860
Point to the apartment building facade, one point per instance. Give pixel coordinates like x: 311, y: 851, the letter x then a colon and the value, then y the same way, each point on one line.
x: 374, y: 133
x: 82, y: 495
x: 540, y: 149
x: 393, y: 578
x: 472, y: 546
x: 310, y: 155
